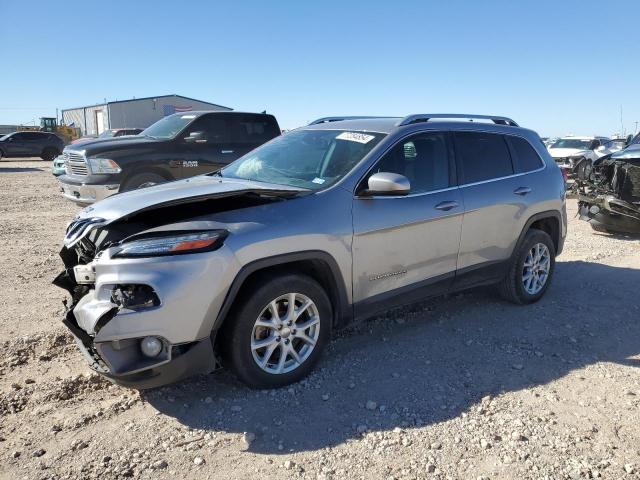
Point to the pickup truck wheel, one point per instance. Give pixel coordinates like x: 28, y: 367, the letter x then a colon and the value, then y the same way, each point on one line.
x: 277, y: 333
x: 48, y: 154
x: 142, y: 180
x: 531, y: 269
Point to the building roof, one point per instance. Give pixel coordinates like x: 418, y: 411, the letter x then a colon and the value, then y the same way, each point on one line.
x: 146, y: 98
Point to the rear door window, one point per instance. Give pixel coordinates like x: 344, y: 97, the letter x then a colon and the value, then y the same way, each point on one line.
x: 253, y: 129
x: 526, y: 159
x: 482, y: 156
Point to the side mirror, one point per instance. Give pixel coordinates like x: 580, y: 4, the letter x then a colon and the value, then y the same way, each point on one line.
x: 601, y: 148
x: 196, y: 137
x: 386, y: 183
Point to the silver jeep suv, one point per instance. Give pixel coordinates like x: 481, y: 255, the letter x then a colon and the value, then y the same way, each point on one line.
x: 256, y: 264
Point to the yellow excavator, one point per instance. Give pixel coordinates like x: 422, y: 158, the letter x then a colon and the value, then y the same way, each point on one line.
x: 50, y: 124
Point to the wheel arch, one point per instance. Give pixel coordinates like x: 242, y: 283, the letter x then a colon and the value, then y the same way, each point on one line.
x: 142, y: 169
x: 50, y: 147
x: 319, y: 265
x: 550, y: 222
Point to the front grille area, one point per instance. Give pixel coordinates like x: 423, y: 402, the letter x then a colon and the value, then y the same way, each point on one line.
x: 75, y: 163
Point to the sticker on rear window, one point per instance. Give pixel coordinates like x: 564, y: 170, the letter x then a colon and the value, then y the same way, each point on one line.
x: 355, y: 137
x: 317, y: 180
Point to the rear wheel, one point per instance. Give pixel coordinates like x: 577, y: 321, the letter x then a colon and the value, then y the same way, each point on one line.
x: 277, y: 331
x: 142, y: 180
x: 531, y: 269
x: 48, y: 154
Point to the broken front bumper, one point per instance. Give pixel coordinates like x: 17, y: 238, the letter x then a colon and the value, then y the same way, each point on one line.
x: 187, y: 293
x: 608, y: 213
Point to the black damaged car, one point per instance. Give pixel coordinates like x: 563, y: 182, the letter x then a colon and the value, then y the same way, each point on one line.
x: 609, y: 191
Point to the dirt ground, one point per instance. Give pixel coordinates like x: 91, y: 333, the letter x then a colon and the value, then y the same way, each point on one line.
x: 465, y: 386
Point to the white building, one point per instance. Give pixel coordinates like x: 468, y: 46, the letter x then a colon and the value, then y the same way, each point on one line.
x: 134, y: 113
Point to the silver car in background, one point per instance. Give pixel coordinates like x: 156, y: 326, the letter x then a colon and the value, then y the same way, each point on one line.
x: 256, y: 264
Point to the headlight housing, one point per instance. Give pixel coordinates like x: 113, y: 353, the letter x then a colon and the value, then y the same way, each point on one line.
x: 170, y: 243
x: 103, y: 165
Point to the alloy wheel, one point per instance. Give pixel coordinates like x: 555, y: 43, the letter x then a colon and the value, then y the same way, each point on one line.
x: 285, y: 333
x: 535, y: 271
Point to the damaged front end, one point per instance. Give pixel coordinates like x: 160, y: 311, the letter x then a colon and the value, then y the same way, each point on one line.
x: 609, y: 192
x: 118, y: 317
x: 146, y: 283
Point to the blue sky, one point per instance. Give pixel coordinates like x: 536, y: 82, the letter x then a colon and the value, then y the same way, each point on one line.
x: 555, y: 66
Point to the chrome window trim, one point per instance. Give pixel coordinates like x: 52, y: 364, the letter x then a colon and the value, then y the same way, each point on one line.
x: 497, y: 179
x: 409, y: 195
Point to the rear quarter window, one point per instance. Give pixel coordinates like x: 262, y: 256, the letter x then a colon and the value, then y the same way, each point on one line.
x: 482, y: 156
x: 526, y: 159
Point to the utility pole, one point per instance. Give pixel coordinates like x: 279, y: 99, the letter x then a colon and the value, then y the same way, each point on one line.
x: 621, y: 124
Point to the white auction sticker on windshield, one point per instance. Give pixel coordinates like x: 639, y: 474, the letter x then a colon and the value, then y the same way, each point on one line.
x: 317, y: 180
x: 355, y: 137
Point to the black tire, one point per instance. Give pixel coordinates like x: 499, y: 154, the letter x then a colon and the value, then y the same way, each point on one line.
x: 48, y: 154
x: 512, y: 288
x: 237, y: 332
x: 142, y: 180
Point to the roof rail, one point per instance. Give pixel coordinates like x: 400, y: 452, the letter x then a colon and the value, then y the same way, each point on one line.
x: 339, y: 119
x: 425, y: 117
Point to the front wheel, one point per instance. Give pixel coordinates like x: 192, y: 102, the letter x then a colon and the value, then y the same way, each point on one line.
x: 277, y: 331
x: 531, y: 269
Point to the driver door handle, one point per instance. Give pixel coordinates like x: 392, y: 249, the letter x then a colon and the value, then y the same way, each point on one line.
x: 447, y: 205
x: 522, y: 191
x: 226, y: 151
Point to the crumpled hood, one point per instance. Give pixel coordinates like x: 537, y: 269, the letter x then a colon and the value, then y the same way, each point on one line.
x: 189, y: 191
x: 567, y: 152
x: 631, y: 152
x: 205, y: 186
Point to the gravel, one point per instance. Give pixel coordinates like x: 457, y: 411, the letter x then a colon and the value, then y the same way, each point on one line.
x: 464, y: 386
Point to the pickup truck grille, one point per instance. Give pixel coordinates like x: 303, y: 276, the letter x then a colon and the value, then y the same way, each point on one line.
x: 75, y: 163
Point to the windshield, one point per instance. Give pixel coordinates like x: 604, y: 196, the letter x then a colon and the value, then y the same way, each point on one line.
x: 572, y: 143
x: 635, y: 140
x: 310, y: 159
x: 106, y: 134
x: 169, y: 126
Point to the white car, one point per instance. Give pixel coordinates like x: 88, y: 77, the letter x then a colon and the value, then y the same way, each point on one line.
x: 568, y: 152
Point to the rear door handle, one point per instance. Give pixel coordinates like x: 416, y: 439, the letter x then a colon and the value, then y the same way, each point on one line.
x: 447, y: 205
x: 175, y: 163
x: 522, y: 191
x: 226, y: 151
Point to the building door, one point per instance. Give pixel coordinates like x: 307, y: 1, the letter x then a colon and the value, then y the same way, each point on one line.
x: 99, y: 121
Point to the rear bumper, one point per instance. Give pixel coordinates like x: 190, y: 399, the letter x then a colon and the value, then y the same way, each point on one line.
x: 85, y: 194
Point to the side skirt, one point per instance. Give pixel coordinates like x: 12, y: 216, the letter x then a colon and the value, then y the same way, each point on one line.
x: 475, y: 276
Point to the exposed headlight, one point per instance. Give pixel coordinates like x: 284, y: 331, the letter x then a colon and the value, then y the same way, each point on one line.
x: 103, y: 165
x: 175, y: 244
